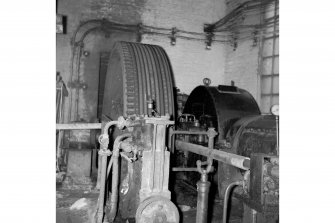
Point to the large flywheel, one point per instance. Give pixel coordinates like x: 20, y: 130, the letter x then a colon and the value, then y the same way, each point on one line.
x: 138, y: 74
x: 139, y: 79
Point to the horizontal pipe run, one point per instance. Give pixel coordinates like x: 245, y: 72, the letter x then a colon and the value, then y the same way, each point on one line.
x: 228, y: 158
x: 172, y: 133
x: 185, y: 169
x: 75, y: 126
x: 188, y: 133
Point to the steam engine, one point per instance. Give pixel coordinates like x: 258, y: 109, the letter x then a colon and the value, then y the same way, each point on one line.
x: 220, y: 143
x: 234, y: 113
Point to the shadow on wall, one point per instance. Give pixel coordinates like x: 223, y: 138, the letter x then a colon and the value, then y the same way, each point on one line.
x: 89, y: 70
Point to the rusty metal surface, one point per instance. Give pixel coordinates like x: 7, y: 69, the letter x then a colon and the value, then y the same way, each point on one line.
x: 264, y: 188
x: 148, y: 175
x: 254, y: 134
x: 156, y: 163
x: 137, y: 74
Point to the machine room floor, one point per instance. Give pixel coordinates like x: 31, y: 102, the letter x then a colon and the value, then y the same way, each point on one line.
x: 76, y: 204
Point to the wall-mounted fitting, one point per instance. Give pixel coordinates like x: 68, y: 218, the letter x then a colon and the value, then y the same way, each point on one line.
x: 209, y: 40
x: 77, y: 85
x: 139, y: 32
x: 86, y: 53
x: 78, y: 44
x: 234, y: 43
x: 255, y: 38
x: 207, y: 81
x: 60, y: 24
x: 173, y: 37
x: 107, y: 33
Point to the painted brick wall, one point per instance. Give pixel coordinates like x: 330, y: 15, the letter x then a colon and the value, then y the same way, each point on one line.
x: 241, y: 66
x: 71, y: 9
x: 190, y: 60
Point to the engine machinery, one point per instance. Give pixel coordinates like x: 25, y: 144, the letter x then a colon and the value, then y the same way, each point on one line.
x: 139, y: 82
x: 220, y: 141
x: 234, y: 113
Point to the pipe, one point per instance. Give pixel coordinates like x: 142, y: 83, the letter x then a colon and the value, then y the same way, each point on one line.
x: 226, y: 196
x: 173, y: 132
x: 225, y: 157
x: 117, y: 141
x: 115, y: 175
x: 277, y: 133
x: 254, y: 216
x: 121, y: 123
x: 74, y: 126
x: 210, y: 133
x: 104, y: 152
x: 102, y: 188
x: 186, y: 169
x: 203, y: 186
x: 189, y: 133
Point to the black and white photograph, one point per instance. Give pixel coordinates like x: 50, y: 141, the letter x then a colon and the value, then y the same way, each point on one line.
x: 167, y: 111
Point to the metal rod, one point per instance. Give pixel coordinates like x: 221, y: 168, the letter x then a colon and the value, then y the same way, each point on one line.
x: 226, y: 196
x: 254, y: 216
x: 75, y: 126
x: 277, y: 133
x: 115, y: 174
x: 228, y: 158
x: 102, y: 189
x: 186, y: 169
x: 188, y: 133
x: 173, y: 132
x: 59, y: 109
x: 104, y: 152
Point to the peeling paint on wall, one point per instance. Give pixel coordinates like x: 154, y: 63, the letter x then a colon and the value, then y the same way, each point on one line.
x: 191, y: 62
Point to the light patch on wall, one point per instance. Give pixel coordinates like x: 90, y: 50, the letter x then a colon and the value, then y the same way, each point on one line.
x: 191, y: 62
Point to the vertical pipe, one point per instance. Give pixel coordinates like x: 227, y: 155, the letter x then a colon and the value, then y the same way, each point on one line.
x: 202, y: 200
x: 102, y: 189
x: 254, y: 216
x: 103, y: 153
x: 226, y: 198
x: 115, y: 174
x: 115, y: 183
x: 99, y: 173
x: 277, y: 130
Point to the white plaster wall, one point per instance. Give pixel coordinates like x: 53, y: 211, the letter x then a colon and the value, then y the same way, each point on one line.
x: 242, y: 67
x: 191, y: 62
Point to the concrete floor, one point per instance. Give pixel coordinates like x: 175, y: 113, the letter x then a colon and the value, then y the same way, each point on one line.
x: 75, y: 204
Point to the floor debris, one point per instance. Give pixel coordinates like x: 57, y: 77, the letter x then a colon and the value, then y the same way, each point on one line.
x: 79, y: 204
x: 184, y: 208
